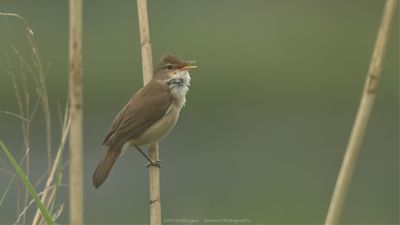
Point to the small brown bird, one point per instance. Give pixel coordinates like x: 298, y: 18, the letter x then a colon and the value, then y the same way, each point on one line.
x: 149, y: 115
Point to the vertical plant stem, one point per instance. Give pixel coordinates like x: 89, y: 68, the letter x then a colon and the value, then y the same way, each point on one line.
x: 364, y: 111
x: 147, y: 59
x: 154, y: 174
x: 147, y: 64
x: 75, y: 95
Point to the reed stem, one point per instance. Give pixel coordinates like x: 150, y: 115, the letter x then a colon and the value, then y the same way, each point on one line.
x: 147, y: 64
x: 75, y: 97
x: 361, y: 120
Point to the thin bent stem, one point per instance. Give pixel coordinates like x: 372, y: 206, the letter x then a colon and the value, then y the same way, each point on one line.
x: 364, y: 111
x: 49, y: 193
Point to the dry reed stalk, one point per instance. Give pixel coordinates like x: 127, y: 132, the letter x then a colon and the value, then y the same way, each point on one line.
x: 364, y: 111
x: 147, y: 65
x: 75, y: 96
x: 48, y: 195
x: 40, y: 82
x: 27, y: 114
x: 23, y: 99
x: 38, y: 75
x: 23, y: 102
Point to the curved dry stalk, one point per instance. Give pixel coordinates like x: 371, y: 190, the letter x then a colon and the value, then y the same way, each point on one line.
x: 38, y: 75
x: 26, y: 116
x: 15, y: 115
x: 49, y: 193
x: 364, y: 111
x: 28, y: 205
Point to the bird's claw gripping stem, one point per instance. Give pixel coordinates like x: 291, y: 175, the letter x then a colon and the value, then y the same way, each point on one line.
x: 156, y: 164
x: 151, y: 162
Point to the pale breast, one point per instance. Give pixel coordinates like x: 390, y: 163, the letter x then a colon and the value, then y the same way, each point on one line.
x: 159, y: 129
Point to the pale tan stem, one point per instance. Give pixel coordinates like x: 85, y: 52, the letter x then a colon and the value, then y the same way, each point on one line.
x: 154, y: 174
x: 361, y: 121
x: 147, y: 64
x: 48, y: 192
x: 75, y: 97
x: 147, y: 59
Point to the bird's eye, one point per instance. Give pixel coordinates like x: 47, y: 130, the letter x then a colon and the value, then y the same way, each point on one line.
x: 169, y: 66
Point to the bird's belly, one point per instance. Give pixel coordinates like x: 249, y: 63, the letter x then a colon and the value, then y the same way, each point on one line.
x: 158, y: 130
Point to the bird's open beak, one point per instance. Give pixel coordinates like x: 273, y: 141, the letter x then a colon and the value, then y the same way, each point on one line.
x: 188, y: 65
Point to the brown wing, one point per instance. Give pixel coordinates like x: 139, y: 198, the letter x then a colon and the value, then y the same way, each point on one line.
x: 145, y: 108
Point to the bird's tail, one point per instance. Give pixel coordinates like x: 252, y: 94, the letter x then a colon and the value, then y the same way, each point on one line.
x: 104, y: 167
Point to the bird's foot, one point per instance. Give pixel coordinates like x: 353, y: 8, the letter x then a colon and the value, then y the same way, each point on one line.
x: 156, y: 163
x: 151, y: 162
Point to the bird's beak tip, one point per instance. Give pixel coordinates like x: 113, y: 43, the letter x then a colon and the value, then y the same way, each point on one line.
x: 189, y: 65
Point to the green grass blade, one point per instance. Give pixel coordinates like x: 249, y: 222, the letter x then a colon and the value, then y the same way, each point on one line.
x: 28, y: 185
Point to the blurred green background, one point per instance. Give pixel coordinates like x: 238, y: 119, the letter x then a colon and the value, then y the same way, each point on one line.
x: 268, y: 115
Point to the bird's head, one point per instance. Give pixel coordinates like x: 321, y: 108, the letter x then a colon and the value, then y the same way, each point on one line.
x: 174, y: 70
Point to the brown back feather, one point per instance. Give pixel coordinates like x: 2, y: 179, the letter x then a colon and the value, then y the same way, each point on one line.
x: 145, y: 108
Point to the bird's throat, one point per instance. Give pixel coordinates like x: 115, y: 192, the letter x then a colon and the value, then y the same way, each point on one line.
x: 179, y: 86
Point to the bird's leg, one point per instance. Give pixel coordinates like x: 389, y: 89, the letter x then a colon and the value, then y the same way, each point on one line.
x: 151, y: 162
